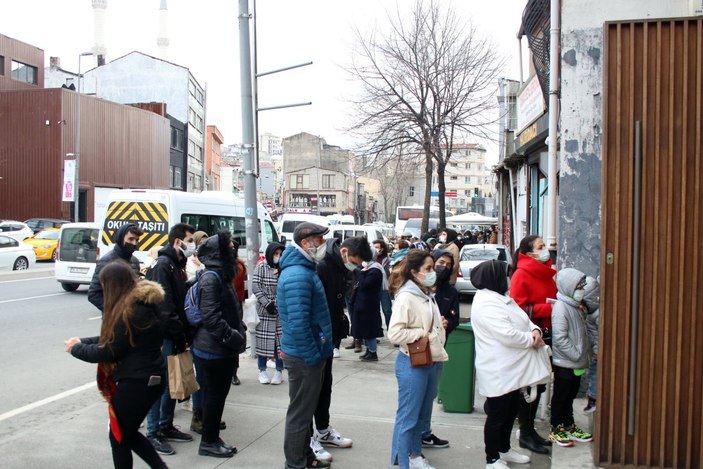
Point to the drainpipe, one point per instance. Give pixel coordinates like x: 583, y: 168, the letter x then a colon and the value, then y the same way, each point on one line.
x: 554, y: 43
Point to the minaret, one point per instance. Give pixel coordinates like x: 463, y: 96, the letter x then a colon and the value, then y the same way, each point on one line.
x: 99, y: 7
x: 162, y: 41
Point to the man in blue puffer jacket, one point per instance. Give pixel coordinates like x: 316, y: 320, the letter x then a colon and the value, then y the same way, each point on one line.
x: 307, y: 338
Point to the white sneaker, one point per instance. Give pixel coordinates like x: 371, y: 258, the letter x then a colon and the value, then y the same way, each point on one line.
x: 264, y: 377
x: 331, y: 437
x: 320, y: 452
x: 514, y: 456
x: 419, y: 463
x: 277, y: 377
x: 335, y: 353
x: 499, y: 464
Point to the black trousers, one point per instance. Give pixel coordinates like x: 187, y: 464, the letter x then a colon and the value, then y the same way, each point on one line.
x: 566, y: 387
x: 131, y: 403
x: 528, y: 411
x: 322, y: 412
x: 218, y: 377
x: 500, y: 416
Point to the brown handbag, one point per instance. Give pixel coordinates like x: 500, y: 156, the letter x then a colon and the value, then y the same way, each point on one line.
x: 419, y: 351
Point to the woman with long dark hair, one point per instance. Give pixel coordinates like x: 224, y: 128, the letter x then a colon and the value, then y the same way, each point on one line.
x: 131, y: 368
x: 415, y: 315
x: 531, y: 285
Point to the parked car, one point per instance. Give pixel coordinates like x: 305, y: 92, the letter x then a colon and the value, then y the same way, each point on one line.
x: 472, y: 255
x: 39, y: 224
x: 15, y: 255
x: 342, y: 232
x: 77, y: 254
x: 15, y: 230
x: 44, y: 244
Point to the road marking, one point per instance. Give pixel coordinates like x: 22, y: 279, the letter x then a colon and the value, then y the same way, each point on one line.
x: 26, y: 279
x: 33, y: 297
x: 46, y: 401
x: 96, y: 317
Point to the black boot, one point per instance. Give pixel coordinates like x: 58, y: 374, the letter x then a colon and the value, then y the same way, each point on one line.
x: 217, y: 449
x: 370, y: 357
x: 196, y: 422
x: 527, y: 441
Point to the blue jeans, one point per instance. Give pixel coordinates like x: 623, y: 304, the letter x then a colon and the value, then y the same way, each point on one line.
x: 160, y: 415
x: 416, y: 389
x: 371, y: 345
x: 386, y: 306
x: 592, y: 378
x: 262, y: 363
x: 426, y: 413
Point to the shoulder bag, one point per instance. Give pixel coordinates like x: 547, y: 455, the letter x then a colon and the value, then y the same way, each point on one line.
x: 419, y: 351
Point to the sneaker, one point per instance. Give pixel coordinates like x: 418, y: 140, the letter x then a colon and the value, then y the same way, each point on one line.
x: 161, y: 446
x: 419, y: 463
x: 277, y: 378
x: 174, y: 434
x: 576, y: 434
x: 590, y: 406
x: 332, y: 437
x: 499, y: 464
x: 187, y: 405
x: 335, y: 353
x: 560, y: 437
x: 315, y: 463
x: 320, y: 453
x: 514, y: 456
x: 264, y: 377
x: 433, y: 442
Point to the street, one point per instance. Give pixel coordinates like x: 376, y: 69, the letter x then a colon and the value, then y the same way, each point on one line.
x: 51, y: 415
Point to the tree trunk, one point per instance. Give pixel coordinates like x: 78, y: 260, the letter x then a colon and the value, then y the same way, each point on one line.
x: 441, y: 188
x: 428, y: 192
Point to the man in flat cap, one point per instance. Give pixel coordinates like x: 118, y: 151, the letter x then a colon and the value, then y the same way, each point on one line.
x: 307, y: 338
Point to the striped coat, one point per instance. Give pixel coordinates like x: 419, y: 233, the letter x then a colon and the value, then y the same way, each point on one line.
x: 268, y: 331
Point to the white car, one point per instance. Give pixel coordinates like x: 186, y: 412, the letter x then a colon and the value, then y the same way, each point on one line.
x: 15, y: 230
x: 472, y: 255
x: 15, y: 255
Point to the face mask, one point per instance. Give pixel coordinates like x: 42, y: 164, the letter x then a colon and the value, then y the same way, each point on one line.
x: 443, y: 272
x: 429, y: 280
x: 318, y: 253
x: 543, y: 256
x: 276, y: 259
x: 578, y: 295
x: 189, y: 249
x: 349, y: 265
x: 442, y: 239
x: 128, y: 249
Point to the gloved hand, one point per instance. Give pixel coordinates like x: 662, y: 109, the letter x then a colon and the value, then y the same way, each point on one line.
x: 271, y: 308
x: 233, y: 340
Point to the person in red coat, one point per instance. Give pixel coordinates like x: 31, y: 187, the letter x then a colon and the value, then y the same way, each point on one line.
x: 531, y: 284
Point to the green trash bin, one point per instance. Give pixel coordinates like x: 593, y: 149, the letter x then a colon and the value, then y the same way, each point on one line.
x: 456, y: 386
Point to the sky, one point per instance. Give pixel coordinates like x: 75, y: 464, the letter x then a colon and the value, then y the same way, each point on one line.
x: 204, y: 36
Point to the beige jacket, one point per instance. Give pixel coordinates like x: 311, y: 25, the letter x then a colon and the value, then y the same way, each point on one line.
x: 411, y: 320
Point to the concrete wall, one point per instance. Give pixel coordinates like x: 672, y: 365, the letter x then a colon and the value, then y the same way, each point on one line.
x: 581, y: 119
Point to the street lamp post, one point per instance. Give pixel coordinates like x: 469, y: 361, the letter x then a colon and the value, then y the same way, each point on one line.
x: 76, y: 202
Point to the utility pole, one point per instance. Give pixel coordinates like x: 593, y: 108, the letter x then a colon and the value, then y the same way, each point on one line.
x: 248, y: 164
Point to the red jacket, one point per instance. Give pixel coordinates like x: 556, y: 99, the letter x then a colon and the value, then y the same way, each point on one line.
x: 531, y: 285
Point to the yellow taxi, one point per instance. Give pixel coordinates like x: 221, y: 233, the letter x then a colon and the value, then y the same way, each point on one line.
x: 44, y: 244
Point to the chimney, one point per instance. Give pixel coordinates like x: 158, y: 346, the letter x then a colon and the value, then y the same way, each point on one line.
x: 54, y: 63
x: 162, y: 40
x: 99, y: 50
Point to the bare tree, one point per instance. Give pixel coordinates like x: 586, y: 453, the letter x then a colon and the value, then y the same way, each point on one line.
x: 427, y: 83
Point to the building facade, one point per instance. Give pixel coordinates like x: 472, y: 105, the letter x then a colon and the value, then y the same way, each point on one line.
x: 213, y: 157
x: 178, y: 162
x: 21, y: 65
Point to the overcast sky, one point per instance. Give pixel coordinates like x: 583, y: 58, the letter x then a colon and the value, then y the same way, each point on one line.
x: 204, y: 37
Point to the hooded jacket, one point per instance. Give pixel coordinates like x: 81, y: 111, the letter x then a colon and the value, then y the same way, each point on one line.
x: 335, y: 278
x: 413, y: 313
x: 530, y: 286
x: 570, y: 345
x: 168, y: 271
x: 95, y: 291
x: 221, y: 332
x: 592, y: 301
x: 446, y: 295
x: 302, y: 307
x: 365, y: 302
x: 142, y: 360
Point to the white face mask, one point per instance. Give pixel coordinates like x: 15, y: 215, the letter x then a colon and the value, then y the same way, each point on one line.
x: 543, y: 255
x: 442, y: 239
x: 189, y: 249
x: 276, y: 259
x: 430, y: 278
x: 579, y: 294
x: 317, y: 253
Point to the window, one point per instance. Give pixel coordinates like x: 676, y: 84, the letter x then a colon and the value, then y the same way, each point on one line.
x: 191, y: 178
x: 24, y: 72
x: 2, y: 65
x: 199, y: 125
x: 411, y: 191
x: 198, y: 182
x: 170, y: 176
x: 328, y: 181
x: 176, y: 138
x: 453, y: 178
x: 512, y: 113
x: 191, y: 148
x: 191, y: 117
x: 199, y: 96
x: 328, y: 201
x: 467, y: 179
x: 177, y: 178
x: 199, y: 152
x: 299, y: 181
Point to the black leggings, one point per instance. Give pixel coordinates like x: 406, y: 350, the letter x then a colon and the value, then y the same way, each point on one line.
x: 218, y: 376
x: 528, y: 411
x: 500, y: 415
x: 322, y: 412
x: 131, y: 402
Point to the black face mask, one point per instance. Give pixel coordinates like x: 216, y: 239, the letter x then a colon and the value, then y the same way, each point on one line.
x: 443, y: 273
x: 128, y: 249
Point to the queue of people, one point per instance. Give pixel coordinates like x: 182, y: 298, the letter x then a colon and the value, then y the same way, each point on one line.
x: 301, y: 293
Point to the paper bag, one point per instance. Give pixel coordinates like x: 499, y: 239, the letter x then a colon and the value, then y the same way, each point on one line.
x: 181, y: 375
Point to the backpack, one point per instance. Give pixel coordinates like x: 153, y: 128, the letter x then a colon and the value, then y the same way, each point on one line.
x: 192, y: 302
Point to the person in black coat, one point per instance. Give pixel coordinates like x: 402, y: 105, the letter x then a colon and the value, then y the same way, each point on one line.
x: 126, y: 241
x: 220, y: 337
x: 169, y: 272
x: 131, y: 369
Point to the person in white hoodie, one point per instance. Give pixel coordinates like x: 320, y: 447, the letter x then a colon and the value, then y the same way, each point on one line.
x: 510, y: 355
x: 415, y: 315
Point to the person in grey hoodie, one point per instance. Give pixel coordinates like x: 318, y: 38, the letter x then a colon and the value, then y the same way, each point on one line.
x: 592, y: 301
x: 570, y: 355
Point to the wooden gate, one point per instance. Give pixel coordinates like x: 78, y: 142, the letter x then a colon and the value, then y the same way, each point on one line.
x: 650, y: 390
